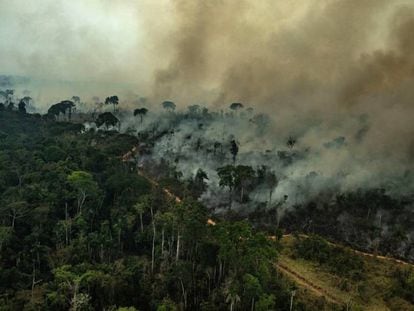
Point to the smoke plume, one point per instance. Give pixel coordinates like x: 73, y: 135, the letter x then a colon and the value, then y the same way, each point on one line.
x: 320, y: 70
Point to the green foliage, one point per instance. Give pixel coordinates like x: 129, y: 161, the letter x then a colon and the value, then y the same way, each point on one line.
x: 338, y: 260
x: 107, y: 119
x: 404, y: 284
x: 238, y: 178
x: 54, y: 154
x: 266, y: 302
x: 80, y: 229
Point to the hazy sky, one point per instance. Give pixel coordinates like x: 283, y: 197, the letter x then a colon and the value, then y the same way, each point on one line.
x: 129, y: 40
x: 72, y: 40
x: 217, y: 51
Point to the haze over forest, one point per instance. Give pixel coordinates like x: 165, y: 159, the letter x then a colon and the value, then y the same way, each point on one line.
x: 320, y: 69
x: 293, y: 115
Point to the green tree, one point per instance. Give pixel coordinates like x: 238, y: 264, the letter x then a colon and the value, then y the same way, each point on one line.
x: 22, y: 106
x: 252, y: 288
x: 85, y: 185
x: 266, y: 303
x: 108, y: 119
x: 5, y: 235
x: 242, y: 176
x: 231, y: 291
x: 16, y: 210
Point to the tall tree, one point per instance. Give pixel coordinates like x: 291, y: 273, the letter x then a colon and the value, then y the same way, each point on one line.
x: 168, y: 105
x: 61, y: 108
x: 200, y: 182
x: 15, y: 211
x: 22, y: 106
x: 227, y: 178
x: 68, y: 105
x: 268, y: 178
x: 141, y: 112
x: 107, y: 119
x: 112, y: 100
x: 28, y: 101
x: 236, y: 106
x: 242, y: 176
x: 85, y: 185
x: 234, y: 149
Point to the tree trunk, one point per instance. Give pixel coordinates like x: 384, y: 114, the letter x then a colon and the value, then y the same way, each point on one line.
x: 241, y: 194
x: 119, y: 239
x: 153, y: 241
x: 33, y: 279
x: 209, y: 283
x: 75, y: 293
x: 153, y: 248
x: 230, y: 198
x: 184, y: 294
x: 291, y: 301
x: 142, y: 224
x: 66, y: 224
x: 277, y: 216
x: 162, y: 241
x: 177, y: 254
x: 81, y: 202
x: 270, y: 197
x: 13, y: 219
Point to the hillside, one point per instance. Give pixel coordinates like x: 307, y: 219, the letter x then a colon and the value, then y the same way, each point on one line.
x: 370, y: 283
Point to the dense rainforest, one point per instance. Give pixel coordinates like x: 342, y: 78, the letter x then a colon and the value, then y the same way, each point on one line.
x: 82, y: 228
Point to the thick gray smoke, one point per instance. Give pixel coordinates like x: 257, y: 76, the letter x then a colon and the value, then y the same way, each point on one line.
x: 321, y: 70
x: 324, y: 62
x: 326, y: 160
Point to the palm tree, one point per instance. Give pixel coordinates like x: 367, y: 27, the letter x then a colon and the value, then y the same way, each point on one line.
x: 141, y: 112
x: 140, y: 209
x: 112, y: 100
x: 230, y: 291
